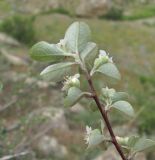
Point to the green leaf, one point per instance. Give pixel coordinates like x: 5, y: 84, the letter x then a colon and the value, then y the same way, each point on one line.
x: 57, y: 72
x: 132, y: 141
x: 124, y: 107
x: 122, y: 140
x: 92, y: 106
x: 95, y: 138
x: 143, y: 144
x: 43, y: 51
x: 119, y: 96
x: 102, y: 126
x: 73, y: 96
x: 77, y: 36
x: 109, y: 69
x: 89, y: 54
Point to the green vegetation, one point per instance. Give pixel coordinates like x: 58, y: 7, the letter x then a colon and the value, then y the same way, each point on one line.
x: 131, y: 13
x: 19, y: 27
x: 141, y: 12
x: 115, y: 13
x: 59, y: 10
x: 147, y: 116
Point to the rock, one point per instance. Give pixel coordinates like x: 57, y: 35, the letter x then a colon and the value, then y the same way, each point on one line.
x: 55, y: 116
x: 14, y: 76
x: 54, y: 4
x: 7, y: 40
x: 49, y: 146
x: 93, y: 8
x: 40, y: 83
x: 15, y: 60
x: 36, y: 7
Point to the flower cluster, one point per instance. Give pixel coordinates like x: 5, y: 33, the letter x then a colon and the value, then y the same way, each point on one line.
x: 107, y: 95
x: 103, y: 58
x: 103, y: 55
x: 72, y: 81
x: 62, y: 45
x: 88, y: 132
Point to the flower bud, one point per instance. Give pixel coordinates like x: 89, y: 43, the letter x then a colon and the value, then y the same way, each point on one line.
x: 103, y: 58
x: 62, y: 44
x: 108, y: 93
x: 122, y: 141
x: 72, y: 81
x: 98, y: 62
x: 75, y: 82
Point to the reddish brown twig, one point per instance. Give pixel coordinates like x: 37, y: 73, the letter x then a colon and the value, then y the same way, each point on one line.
x: 105, y: 116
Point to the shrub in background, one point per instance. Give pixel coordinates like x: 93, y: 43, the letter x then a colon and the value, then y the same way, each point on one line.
x: 59, y: 10
x: 115, y: 13
x: 19, y: 27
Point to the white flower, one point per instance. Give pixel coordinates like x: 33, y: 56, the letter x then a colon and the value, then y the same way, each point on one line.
x: 103, y: 54
x: 88, y: 132
x: 108, y: 92
x: 111, y: 59
x: 62, y: 43
x: 88, y: 129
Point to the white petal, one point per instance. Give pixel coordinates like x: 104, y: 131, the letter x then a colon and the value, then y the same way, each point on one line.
x: 102, y: 53
x: 88, y: 130
x: 111, y: 59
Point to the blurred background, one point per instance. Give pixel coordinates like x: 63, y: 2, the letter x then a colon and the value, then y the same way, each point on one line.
x: 32, y: 116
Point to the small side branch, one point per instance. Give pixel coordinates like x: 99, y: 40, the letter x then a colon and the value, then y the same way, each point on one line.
x: 14, y: 155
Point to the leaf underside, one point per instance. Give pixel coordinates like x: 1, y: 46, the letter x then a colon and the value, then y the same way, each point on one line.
x: 57, y: 72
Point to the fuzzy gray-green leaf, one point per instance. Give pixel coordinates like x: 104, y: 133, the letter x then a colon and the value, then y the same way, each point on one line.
x: 119, y: 96
x: 57, y: 72
x: 110, y: 70
x: 132, y: 141
x: 43, y: 51
x: 143, y: 144
x: 95, y: 138
x: 77, y: 36
x: 74, y: 94
x: 124, y: 107
x: 89, y: 54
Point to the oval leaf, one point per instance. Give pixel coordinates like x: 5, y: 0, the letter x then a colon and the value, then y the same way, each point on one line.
x: 124, y: 107
x: 73, y: 96
x: 89, y: 54
x: 143, y: 144
x: 95, y: 138
x: 132, y: 141
x: 43, y: 51
x: 109, y: 69
x: 119, y: 96
x: 92, y: 105
x: 56, y: 72
x: 77, y: 36
x: 102, y: 126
